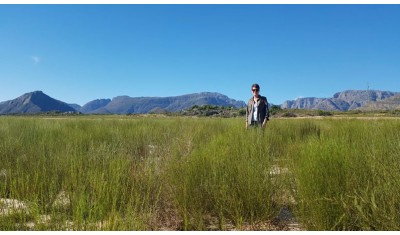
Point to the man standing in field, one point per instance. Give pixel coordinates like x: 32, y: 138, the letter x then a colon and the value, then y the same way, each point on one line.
x: 257, y: 112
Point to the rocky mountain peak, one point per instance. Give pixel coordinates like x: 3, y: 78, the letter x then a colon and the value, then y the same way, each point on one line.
x: 341, y: 101
x: 34, y: 102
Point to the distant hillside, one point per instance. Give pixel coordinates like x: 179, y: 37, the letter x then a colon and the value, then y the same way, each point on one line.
x: 136, y: 105
x: 341, y: 101
x: 34, y: 102
x: 77, y: 107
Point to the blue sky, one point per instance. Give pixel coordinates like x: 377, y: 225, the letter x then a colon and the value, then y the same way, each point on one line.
x: 77, y: 53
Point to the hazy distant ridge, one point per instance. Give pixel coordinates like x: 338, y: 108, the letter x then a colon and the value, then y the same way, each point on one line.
x: 93, y: 105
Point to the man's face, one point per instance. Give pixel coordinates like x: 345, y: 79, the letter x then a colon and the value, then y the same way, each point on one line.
x: 255, y: 91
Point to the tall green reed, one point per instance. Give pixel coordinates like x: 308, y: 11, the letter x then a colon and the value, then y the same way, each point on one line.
x: 348, y: 178
x: 122, y: 173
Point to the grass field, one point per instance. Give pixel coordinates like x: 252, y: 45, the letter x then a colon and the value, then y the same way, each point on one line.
x: 177, y: 173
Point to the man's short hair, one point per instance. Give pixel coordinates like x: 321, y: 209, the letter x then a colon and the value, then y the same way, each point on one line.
x: 255, y: 85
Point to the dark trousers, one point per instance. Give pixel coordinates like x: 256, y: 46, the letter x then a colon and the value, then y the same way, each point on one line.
x: 255, y: 124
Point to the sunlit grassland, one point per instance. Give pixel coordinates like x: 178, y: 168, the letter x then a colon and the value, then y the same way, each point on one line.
x: 159, y: 173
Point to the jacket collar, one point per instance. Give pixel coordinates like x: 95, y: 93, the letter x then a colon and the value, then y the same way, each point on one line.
x: 257, y: 99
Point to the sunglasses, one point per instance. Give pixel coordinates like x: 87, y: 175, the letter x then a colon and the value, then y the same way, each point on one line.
x: 254, y: 89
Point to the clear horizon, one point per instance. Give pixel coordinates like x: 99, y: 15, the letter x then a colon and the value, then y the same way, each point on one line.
x: 78, y: 53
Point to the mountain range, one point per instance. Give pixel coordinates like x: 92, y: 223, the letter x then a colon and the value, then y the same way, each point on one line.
x: 135, y: 105
x: 37, y: 101
x: 348, y: 100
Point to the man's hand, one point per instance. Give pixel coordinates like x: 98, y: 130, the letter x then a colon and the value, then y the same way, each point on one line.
x: 264, y: 123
